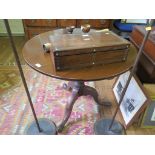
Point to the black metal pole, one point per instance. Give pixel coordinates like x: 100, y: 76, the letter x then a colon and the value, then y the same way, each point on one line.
x: 132, y: 72
x: 21, y: 72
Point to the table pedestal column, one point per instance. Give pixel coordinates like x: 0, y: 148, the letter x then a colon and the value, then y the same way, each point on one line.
x: 78, y: 88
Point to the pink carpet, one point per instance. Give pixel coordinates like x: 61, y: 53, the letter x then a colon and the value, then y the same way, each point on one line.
x: 49, y: 101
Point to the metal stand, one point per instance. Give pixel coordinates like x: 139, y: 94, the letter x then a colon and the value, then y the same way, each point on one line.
x: 41, y: 126
x: 111, y: 126
x: 48, y: 128
x: 101, y: 127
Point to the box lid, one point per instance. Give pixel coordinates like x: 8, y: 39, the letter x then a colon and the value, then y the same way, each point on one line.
x: 94, y: 40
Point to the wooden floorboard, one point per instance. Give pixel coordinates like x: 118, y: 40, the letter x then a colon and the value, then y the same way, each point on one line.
x: 6, y: 53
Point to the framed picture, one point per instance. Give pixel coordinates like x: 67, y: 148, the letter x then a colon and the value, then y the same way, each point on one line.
x: 148, y: 120
x: 135, y: 99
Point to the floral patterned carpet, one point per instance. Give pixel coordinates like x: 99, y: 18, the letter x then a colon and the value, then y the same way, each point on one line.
x: 49, y: 99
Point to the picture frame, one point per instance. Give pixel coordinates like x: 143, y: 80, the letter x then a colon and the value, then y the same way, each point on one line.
x: 148, y: 120
x: 135, y: 99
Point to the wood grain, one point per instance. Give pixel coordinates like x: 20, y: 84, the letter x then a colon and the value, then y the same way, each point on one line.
x: 103, y: 87
x: 33, y: 54
x: 6, y: 54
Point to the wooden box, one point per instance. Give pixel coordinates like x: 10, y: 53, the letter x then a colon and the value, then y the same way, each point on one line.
x: 146, y: 66
x: 77, y: 50
x: 137, y: 36
x: 146, y: 69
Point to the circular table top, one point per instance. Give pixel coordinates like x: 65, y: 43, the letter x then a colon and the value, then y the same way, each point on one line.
x: 35, y: 57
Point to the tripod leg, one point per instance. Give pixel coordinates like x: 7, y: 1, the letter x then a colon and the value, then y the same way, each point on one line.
x: 69, y: 106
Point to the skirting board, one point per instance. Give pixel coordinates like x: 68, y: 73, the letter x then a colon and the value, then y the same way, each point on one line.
x: 14, y: 34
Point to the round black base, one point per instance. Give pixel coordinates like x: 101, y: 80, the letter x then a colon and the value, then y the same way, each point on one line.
x: 47, y: 127
x: 101, y: 127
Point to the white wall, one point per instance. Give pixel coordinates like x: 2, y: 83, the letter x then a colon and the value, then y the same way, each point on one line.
x: 144, y: 21
x: 16, y: 26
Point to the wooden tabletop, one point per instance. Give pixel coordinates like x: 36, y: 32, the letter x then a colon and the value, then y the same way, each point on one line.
x: 42, y: 62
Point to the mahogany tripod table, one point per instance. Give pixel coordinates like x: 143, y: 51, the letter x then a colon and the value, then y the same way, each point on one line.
x: 35, y: 57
